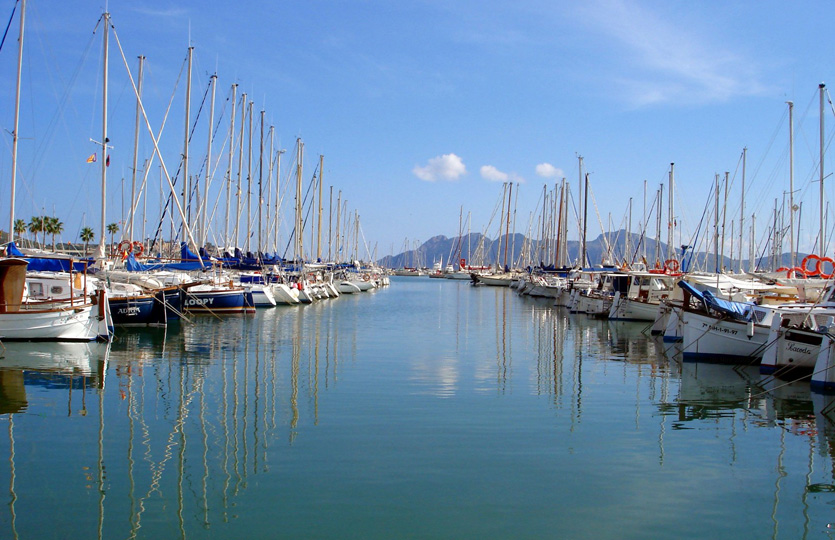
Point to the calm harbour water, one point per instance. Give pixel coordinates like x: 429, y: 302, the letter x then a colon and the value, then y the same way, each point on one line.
x: 429, y: 409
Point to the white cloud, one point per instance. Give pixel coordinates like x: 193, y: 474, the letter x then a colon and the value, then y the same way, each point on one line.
x: 489, y: 172
x: 546, y: 170
x: 492, y: 174
x: 447, y: 167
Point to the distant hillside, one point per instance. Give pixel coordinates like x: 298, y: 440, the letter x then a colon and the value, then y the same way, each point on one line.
x: 441, y: 248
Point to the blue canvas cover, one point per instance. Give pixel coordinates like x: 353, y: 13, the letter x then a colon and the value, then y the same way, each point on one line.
x: 737, y: 310
x: 47, y: 264
x: 132, y: 265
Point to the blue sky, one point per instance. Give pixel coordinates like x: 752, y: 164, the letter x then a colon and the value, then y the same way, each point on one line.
x: 422, y: 107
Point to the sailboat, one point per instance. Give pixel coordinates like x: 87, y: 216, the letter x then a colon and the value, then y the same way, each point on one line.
x: 78, y: 318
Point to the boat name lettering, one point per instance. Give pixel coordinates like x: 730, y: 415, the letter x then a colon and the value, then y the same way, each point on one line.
x: 714, y: 328
x: 199, y: 301
x: 129, y: 310
x: 802, y: 350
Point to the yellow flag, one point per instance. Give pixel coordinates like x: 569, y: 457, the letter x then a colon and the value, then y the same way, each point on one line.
x: 91, y: 159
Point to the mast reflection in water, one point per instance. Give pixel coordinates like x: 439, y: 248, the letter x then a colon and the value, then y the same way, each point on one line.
x: 429, y: 409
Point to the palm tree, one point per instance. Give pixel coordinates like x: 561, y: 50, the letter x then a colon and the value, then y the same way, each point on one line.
x: 36, y: 225
x: 87, y: 235
x: 54, y: 226
x: 19, y: 227
x: 112, y: 228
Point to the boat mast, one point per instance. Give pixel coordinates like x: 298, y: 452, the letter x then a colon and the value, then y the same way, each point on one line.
x: 330, y: 224
x: 822, y: 249
x: 299, y: 224
x: 585, y: 216
x: 742, y: 210
x: 716, y: 223
x: 319, y: 226
x: 338, y: 228
x: 186, y: 179
x: 17, y: 118
x: 581, y: 227
x: 507, y: 227
x: 269, y: 184
x: 658, y: 226
x: 240, y: 170
x: 139, y: 78
x: 207, y: 175
x: 791, y: 185
x: 229, y: 167
x: 104, y: 141
x: 260, y: 185
x: 724, y: 216
x: 277, y: 195
x: 672, y: 215
x: 249, y: 181
x: 559, y: 254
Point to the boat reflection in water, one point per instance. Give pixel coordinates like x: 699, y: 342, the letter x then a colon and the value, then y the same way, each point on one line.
x: 368, y: 410
x: 48, y: 365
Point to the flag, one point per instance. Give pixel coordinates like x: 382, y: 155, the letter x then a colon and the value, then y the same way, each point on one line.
x: 107, y: 161
x: 92, y: 158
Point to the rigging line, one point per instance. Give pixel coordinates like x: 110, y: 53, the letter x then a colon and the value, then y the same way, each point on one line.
x: 642, y: 238
x: 177, y: 173
x: 8, y: 25
x: 149, y: 162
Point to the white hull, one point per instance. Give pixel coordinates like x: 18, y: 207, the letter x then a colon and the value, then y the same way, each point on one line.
x: 66, y: 324
x: 631, y: 309
x: 262, y: 295
x: 347, y: 287
x: 284, y: 295
x: 721, y: 340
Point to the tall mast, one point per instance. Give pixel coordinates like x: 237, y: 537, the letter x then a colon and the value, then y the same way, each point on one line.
x: 277, y: 197
x: 260, y: 182
x: 644, y: 224
x: 229, y: 167
x: 186, y: 179
x: 270, y: 147
x: 207, y: 175
x: 585, y: 215
x: 139, y: 77
x: 507, y: 228
x: 319, y: 226
x: 791, y: 185
x: 330, y: 223
x: 742, y: 209
x: 249, y: 180
x: 104, y: 141
x: 672, y: 215
x: 559, y: 254
x: 17, y: 117
x: 338, y: 226
x: 240, y: 169
x: 629, y: 234
x: 716, y: 223
x: 299, y: 222
x: 580, y: 205
x: 822, y: 249
x: 724, y: 215
x: 658, y: 226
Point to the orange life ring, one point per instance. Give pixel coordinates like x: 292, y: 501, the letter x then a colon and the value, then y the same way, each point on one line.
x: 819, y: 267
x: 125, y: 246
x: 138, y: 248
x: 782, y: 269
x: 805, y: 266
x: 671, y: 265
x: 795, y: 272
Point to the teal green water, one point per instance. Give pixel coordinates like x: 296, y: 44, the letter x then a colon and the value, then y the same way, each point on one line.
x: 429, y: 409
